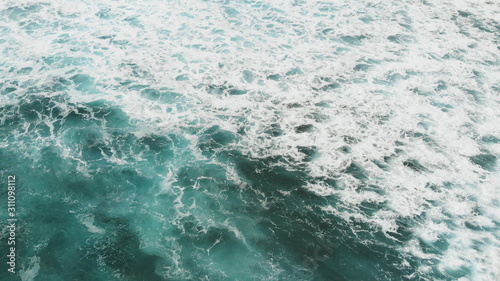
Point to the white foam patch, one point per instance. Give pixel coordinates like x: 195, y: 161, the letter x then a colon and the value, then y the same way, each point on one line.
x: 88, y: 221
x: 31, y: 271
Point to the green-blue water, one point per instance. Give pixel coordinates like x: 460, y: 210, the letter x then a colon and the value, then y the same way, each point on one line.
x: 250, y: 140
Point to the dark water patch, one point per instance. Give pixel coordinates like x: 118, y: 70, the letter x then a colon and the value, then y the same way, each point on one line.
x: 227, y: 245
x: 455, y: 274
x: 58, y: 85
x: 443, y: 106
x: 298, y: 236
x: 189, y: 226
x: 150, y: 94
x: 159, y: 151
x: 25, y: 70
x: 134, y: 69
x: 325, y: 247
x: 435, y: 188
x: 439, y: 246
x: 275, y: 77
x: 9, y: 119
x: 346, y: 149
x: 273, y: 177
x: 474, y: 227
x: 156, y: 143
x: 90, y: 141
x: 295, y: 71
x: 323, y: 104
x: 104, y: 13
x: 80, y: 116
x: 362, y: 67
x: 318, y: 117
x: 56, y: 177
x: 183, y: 77
x: 457, y: 54
x: 307, y: 128
x: 496, y: 88
x: 293, y: 237
x: 264, y: 176
x: 30, y: 26
x: 95, y: 152
x: 109, y: 36
x: 478, y: 96
x: 66, y: 60
x: 168, y: 96
x: 401, y: 39
x: 214, y: 138
x: 404, y: 231
x: 231, y: 12
x: 63, y: 259
x: 371, y: 207
x: 479, y: 77
x: 414, y: 165
x: 213, y: 253
x: 441, y: 86
x: 464, y: 14
x: 119, y: 42
x: 328, y: 87
x: 485, y: 25
x: 327, y: 84
x: 406, y: 26
x: 310, y: 152
x: 8, y: 90
x: 130, y: 178
x: 274, y: 130
x: 381, y: 82
x: 367, y: 19
x: 113, y: 116
x: 224, y: 89
x: 357, y: 171
x: 32, y: 108
x: 50, y: 256
x: 19, y: 13
x: 163, y: 95
x: 388, y: 159
x: 188, y: 175
x: 382, y: 165
x: 236, y: 92
x: 395, y: 77
x: 134, y: 21
x: 421, y: 92
x: 294, y: 105
x: 84, y: 83
x: 490, y: 139
x: 382, y: 119
x: 375, y: 188
x: 487, y: 161
x: 353, y: 40
x: 120, y: 250
x: 350, y: 139
x: 58, y: 236
x: 134, y: 87
x: 107, y: 181
x: 248, y: 76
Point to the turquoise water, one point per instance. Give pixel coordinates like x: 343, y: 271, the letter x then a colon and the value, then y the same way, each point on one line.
x: 251, y: 140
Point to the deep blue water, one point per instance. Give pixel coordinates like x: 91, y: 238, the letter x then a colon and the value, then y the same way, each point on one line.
x: 251, y: 140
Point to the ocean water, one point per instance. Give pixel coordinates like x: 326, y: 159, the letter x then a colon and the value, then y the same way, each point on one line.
x: 251, y: 140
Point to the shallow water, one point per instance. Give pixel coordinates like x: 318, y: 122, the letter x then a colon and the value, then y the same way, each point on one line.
x: 251, y: 140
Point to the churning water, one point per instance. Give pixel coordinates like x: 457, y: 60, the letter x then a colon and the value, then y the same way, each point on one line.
x: 251, y: 140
